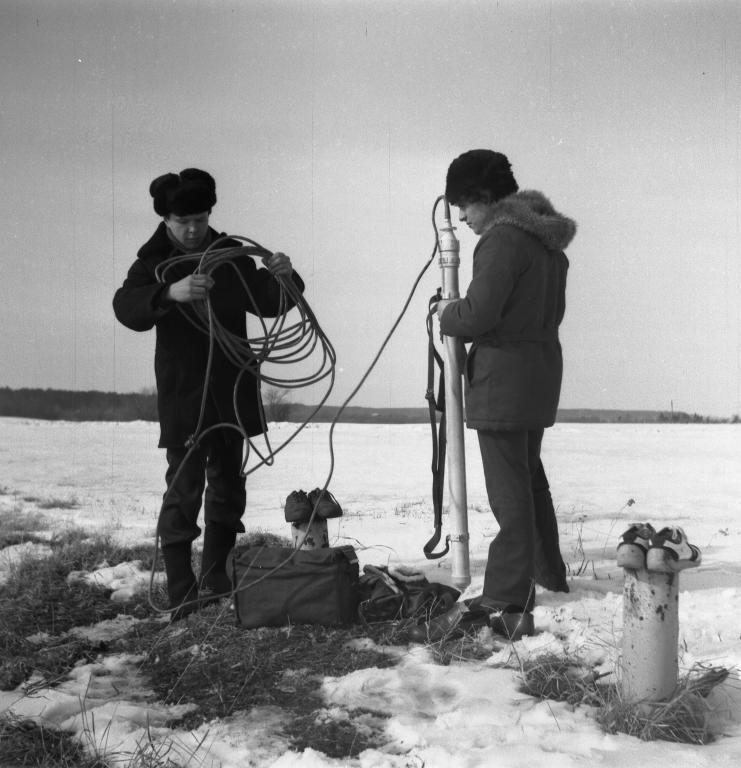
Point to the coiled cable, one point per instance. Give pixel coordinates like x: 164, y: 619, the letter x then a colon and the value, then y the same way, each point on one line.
x: 280, y: 344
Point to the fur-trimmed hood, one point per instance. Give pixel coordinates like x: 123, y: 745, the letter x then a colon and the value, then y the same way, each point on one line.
x: 532, y: 212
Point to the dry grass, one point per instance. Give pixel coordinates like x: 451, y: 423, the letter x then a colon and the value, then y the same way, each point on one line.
x: 560, y: 679
x: 684, y: 717
x: 20, y: 527
x: 231, y: 668
x: 208, y: 661
x: 37, y: 600
x: 25, y: 743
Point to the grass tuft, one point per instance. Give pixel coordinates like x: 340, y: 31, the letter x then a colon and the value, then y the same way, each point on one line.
x: 557, y: 678
x: 684, y: 717
x: 18, y: 527
x: 25, y: 743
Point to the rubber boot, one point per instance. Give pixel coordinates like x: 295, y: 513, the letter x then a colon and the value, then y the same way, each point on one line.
x: 512, y: 624
x: 218, y: 542
x: 182, y: 589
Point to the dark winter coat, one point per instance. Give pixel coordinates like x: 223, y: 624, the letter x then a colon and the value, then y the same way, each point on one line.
x: 511, y: 313
x: 181, y: 351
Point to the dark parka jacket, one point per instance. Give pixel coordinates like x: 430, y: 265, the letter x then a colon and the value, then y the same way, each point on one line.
x: 511, y: 313
x: 181, y: 351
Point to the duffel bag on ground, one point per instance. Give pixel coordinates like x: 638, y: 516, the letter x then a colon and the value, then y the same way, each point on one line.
x: 276, y: 586
x: 401, y: 593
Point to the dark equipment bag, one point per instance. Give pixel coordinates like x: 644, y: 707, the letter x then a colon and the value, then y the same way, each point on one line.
x: 276, y: 586
x: 389, y: 596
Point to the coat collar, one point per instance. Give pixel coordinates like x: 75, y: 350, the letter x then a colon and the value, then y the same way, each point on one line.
x: 160, y: 246
x: 532, y: 212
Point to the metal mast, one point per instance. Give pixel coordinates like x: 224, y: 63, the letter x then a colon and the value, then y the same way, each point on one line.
x: 449, y: 248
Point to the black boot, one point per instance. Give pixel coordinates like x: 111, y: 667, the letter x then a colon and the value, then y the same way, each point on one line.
x: 181, y: 581
x: 218, y: 542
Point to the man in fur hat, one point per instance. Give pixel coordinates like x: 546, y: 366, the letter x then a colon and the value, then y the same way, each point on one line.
x: 513, y: 369
x: 184, y: 201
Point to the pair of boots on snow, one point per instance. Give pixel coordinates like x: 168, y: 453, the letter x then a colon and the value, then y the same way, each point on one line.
x: 188, y: 594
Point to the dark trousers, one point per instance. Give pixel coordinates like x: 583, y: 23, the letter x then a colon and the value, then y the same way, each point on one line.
x: 214, y: 466
x: 526, y: 548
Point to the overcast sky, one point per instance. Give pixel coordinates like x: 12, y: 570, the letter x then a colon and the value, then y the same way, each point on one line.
x: 329, y: 126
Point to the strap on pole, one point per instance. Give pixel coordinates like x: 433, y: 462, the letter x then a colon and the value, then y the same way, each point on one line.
x: 438, y: 438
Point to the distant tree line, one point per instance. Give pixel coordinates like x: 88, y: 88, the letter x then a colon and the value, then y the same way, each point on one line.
x: 606, y: 416
x: 68, y: 405
x: 680, y: 417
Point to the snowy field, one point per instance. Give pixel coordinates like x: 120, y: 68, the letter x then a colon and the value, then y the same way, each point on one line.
x: 603, y: 477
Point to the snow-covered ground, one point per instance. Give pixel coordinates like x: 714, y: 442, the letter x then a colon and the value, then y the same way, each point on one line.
x: 468, y: 714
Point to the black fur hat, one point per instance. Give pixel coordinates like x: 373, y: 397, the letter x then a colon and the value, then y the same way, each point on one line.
x: 479, y: 174
x: 191, y: 191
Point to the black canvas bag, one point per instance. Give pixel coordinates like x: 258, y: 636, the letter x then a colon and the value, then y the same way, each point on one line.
x: 276, y: 586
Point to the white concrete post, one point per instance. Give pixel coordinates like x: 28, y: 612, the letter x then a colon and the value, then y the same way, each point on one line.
x: 650, y: 635
x: 456, y: 457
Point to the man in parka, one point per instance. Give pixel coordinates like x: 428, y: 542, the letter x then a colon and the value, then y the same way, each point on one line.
x: 510, y: 314
x: 184, y: 201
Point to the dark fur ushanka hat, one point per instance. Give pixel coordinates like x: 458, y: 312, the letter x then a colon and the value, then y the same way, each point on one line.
x: 191, y: 191
x: 479, y: 175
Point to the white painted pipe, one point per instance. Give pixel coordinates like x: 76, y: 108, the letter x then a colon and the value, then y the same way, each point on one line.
x: 650, y: 635
x: 310, y: 535
x: 456, y: 457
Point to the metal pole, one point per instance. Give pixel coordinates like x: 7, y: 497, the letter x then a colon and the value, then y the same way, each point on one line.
x: 456, y: 456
